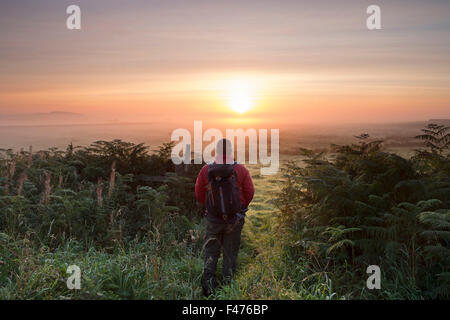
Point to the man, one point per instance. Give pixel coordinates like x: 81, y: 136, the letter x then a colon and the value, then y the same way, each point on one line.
x: 226, y: 189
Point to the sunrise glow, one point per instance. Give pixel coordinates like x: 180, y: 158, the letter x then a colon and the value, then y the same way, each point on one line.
x: 240, y: 96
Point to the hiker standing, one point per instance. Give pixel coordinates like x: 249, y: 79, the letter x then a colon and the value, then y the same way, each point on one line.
x: 226, y: 189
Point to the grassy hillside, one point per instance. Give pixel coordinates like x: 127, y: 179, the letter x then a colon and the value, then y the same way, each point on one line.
x: 128, y: 218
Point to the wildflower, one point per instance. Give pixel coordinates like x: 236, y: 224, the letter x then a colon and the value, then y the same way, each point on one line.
x: 48, y: 187
x: 112, y: 178
x: 99, y: 192
x: 22, y: 178
x: 12, y: 168
x: 30, y: 156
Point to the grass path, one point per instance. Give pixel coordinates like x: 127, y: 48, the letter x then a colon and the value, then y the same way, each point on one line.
x: 256, y: 272
x: 264, y: 272
x: 261, y: 272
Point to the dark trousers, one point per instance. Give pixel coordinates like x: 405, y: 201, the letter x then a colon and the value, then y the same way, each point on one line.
x: 221, y: 236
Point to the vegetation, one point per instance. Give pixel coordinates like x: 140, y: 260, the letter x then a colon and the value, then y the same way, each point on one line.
x: 118, y: 212
x: 361, y: 206
x: 128, y: 218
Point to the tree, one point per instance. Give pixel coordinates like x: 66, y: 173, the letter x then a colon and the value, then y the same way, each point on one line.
x: 436, y: 137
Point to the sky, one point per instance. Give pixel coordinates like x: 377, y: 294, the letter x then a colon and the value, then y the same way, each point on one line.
x: 285, y: 61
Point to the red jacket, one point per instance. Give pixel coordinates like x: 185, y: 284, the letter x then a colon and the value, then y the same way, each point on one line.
x: 244, y: 179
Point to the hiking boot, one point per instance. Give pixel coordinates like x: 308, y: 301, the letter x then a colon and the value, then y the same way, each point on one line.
x: 209, y: 286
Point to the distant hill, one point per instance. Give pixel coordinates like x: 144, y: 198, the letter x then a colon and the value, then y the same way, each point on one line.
x: 440, y: 121
x: 42, y: 118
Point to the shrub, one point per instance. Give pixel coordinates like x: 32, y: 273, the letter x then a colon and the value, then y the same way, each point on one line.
x: 362, y: 206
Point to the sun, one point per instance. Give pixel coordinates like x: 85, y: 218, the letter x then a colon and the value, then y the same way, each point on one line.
x: 240, y: 96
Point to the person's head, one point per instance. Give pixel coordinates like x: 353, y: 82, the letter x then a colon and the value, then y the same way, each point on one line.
x: 224, y: 151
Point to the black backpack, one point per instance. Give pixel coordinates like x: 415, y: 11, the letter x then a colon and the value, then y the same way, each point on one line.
x: 223, y: 196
